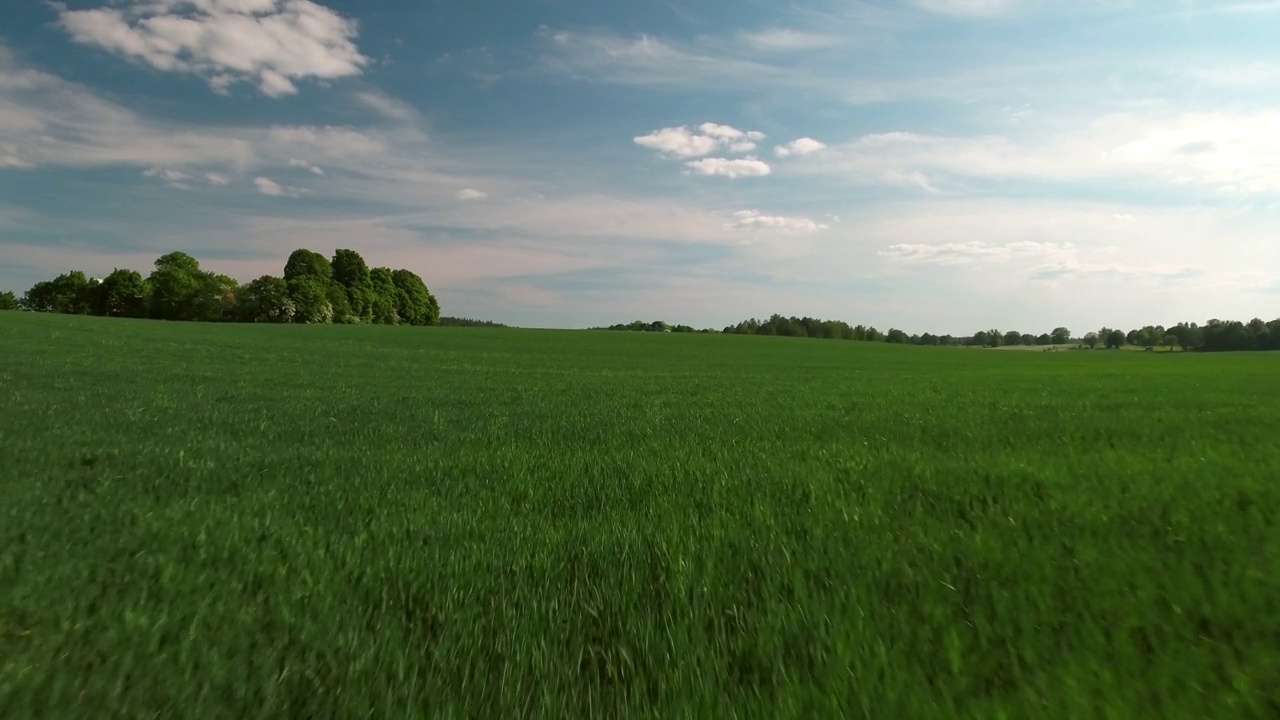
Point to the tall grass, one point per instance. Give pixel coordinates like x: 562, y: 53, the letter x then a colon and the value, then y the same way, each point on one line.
x: 205, y: 521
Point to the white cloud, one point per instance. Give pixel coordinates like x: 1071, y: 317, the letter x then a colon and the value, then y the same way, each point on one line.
x: 785, y: 40
x: 271, y: 43
x: 297, y: 163
x: 963, y: 253
x: 681, y: 142
x: 1077, y: 271
x: 801, y: 146
x: 756, y: 220
x: 172, y: 178
x: 649, y: 61
x: 730, y: 168
x: 1237, y: 153
x: 217, y: 179
x: 267, y: 186
x: 678, y: 142
x: 387, y: 106
x: 472, y: 194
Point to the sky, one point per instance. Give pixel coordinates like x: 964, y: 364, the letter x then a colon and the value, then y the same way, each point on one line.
x: 940, y: 166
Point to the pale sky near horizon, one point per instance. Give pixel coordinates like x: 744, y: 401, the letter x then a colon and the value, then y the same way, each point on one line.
x: 939, y: 166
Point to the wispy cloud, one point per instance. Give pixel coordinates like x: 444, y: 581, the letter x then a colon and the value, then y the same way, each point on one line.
x: 267, y: 186
x: 967, y: 8
x: 756, y: 220
x: 173, y: 178
x: 786, y: 40
x: 269, y: 42
x: 472, y: 194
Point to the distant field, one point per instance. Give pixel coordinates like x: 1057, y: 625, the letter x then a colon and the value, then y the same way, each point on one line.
x: 243, y: 521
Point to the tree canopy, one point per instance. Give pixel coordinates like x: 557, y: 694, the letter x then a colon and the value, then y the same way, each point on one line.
x: 312, y: 289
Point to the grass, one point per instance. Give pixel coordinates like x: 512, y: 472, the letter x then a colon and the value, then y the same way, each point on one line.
x: 205, y: 521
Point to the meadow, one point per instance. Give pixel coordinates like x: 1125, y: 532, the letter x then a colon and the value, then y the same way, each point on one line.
x: 263, y: 521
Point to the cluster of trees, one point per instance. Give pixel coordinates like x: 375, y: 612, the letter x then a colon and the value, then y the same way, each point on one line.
x: 468, y: 322
x: 655, y: 326
x: 313, y: 289
x: 1214, y: 336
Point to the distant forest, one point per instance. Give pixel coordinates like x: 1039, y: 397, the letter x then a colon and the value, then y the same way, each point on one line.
x: 1213, y: 336
x: 312, y: 289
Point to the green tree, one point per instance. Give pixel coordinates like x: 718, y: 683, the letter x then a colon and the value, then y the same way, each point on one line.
x: 309, y: 277
x: 70, y: 293
x: 896, y: 336
x: 310, y: 296
x: 215, y: 298
x: 1091, y: 339
x: 304, y: 263
x: 9, y: 301
x: 175, y: 285
x: 1013, y: 337
x: 265, y: 300
x: 351, y: 272
x: 123, y: 293
x: 1115, y: 339
x: 1169, y: 341
x: 415, y: 305
x: 1060, y: 336
x: 383, y: 297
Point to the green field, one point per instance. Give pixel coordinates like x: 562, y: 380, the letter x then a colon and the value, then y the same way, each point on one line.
x: 251, y: 521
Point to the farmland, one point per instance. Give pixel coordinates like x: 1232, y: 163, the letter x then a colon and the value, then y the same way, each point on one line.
x: 250, y: 521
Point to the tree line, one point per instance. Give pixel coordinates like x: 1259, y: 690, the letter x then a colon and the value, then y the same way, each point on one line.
x: 312, y: 289
x: 1214, y: 336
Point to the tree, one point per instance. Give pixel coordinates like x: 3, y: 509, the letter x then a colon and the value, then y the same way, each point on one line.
x: 383, y: 304
x: 69, y: 293
x: 1115, y: 339
x: 1060, y: 336
x: 415, y: 305
x: 896, y: 336
x: 8, y: 301
x: 304, y: 263
x: 175, y: 284
x: 351, y: 272
x: 1091, y: 339
x: 123, y: 293
x: 265, y: 300
x: 310, y: 296
x: 1013, y: 337
x: 1170, y: 341
x: 309, y: 277
x: 215, y: 298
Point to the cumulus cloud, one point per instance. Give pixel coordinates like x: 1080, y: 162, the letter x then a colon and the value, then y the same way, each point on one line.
x: 730, y: 168
x: 801, y: 146
x: 271, y: 43
x: 756, y: 220
x: 681, y: 142
x: 472, y: 194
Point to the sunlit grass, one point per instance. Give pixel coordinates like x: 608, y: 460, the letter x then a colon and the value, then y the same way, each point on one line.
x: 267, y: 522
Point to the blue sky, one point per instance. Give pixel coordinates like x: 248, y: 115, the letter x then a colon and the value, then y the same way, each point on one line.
x: 934, y: 165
